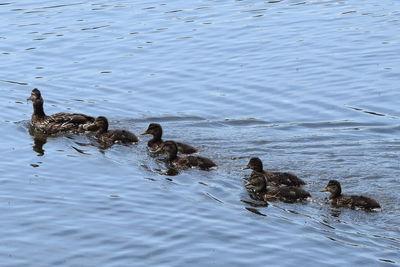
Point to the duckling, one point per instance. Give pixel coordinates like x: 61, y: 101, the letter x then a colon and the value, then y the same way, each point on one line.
x: 56, y: 123
x: 155, y: 143
x: 349, y: 201
x: 257, y: 186
x: 186, y: 162
x: 274, y: 178
x: 110, y: 137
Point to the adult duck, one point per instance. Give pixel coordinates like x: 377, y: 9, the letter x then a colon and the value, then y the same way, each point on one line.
x: 56, y: 123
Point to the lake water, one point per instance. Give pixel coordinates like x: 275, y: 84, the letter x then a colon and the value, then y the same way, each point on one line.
x: 311, y: 87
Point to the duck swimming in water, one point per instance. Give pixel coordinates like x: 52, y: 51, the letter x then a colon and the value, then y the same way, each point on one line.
x: 349, y: 201
x: 56, y: 123
x: 110, y: 137
x: 258, y: 189
x: 274, y: 178
x: 185, y: 162
x: 155, y: 129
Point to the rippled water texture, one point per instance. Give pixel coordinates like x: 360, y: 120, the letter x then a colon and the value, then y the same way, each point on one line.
x: 311, y: 87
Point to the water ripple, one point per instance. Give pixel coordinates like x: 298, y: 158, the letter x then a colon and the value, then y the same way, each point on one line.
x: 235, y: 79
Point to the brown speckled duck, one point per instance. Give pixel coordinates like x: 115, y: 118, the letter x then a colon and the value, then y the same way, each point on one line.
x: 110, y: 137
x: 258, y: 189
x: 185, y: 162
x: 156, y: 131
x: 56, y: 123
x: 348, y: 201
x: 274, y: 178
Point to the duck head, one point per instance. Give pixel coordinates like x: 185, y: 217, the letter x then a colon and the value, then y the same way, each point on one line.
x: 154, y: 129
x: 334, y: 188
x: 255, y: 164
x: 36, y: 96
x: 37, y: 100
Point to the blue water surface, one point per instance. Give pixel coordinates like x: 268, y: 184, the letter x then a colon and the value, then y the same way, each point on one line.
x: 310, y: 87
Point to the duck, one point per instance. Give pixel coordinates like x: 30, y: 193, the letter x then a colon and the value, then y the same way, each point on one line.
x: 337, y: 199
x: 56, y: 123
x: 110, y: 137
x: 155, y: 143
x: 274, y: 178
x: 184, y: 162
x: 258, y: 188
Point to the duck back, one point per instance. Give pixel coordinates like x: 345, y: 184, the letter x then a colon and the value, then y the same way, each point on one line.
x: 287, y: 194
x: 283, y: 178
x: 117, y: 137
x: 185, y: 148
x: 193, y: 162
x: 354, y: 202
x: 60, y: 122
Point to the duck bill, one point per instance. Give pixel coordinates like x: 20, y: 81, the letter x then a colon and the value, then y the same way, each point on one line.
x: 144, y: 133
x: 29, y: 99
x: 246, y: 167
x: 325, y: 189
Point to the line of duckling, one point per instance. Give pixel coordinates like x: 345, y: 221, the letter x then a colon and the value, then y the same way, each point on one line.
x: 262, y: 185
